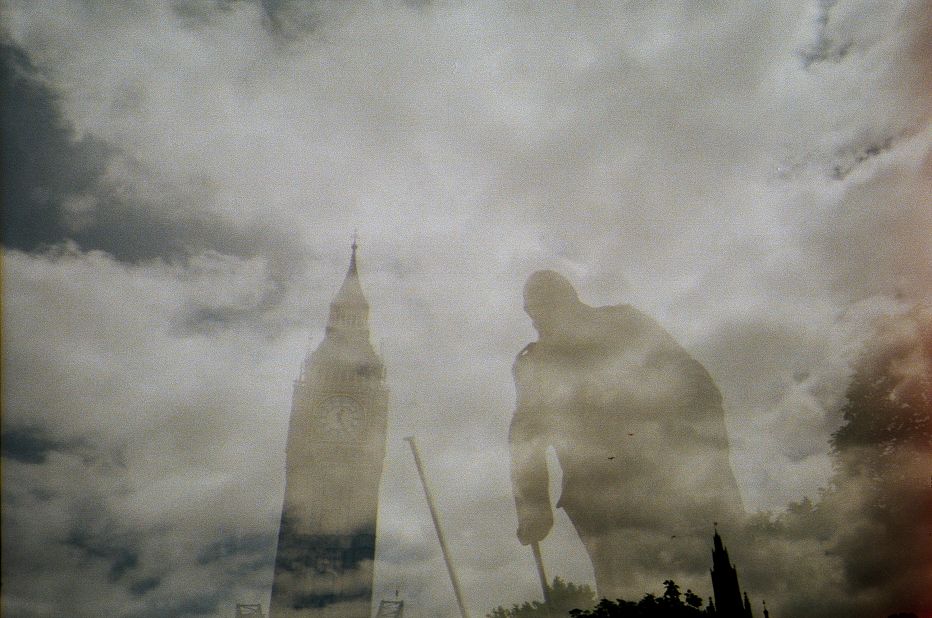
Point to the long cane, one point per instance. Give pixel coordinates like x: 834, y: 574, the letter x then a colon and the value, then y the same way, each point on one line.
x: 535, y: 547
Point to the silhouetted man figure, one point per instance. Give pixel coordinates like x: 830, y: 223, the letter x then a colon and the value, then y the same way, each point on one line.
x: 638, y: 429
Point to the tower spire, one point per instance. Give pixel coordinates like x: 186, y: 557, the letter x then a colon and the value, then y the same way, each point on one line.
x: 728, y: 601
x: 349, y: 311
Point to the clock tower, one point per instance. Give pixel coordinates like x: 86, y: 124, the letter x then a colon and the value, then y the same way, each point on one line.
x: 336, y: 446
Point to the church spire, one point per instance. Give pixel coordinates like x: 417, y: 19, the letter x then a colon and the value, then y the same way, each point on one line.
x: 728, y: 601
x: 717, y: 541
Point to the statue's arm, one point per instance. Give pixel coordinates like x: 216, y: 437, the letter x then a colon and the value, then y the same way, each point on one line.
x: 528, y: 440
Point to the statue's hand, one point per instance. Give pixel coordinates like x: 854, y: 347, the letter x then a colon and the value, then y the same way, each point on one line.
x: 534, y: 525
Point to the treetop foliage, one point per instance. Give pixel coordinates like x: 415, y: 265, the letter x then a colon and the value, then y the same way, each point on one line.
x: 564, y: 596
x: 673, y: 604
x: 568, y: 599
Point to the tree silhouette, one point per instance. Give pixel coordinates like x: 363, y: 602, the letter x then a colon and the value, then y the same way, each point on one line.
x: 889, y: 402
x: 881, y: 493
x: 862, y: 549
x: 564, y: 596
x: 670, y: 605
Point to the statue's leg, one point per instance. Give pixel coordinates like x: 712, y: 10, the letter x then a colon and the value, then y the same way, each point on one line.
x: 606, y: 550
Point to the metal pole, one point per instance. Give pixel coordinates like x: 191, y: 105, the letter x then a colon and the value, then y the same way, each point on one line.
x: 433, y: 515
x: 535, y: 547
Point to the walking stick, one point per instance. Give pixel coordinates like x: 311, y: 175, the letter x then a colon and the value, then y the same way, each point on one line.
x: 535, y: 547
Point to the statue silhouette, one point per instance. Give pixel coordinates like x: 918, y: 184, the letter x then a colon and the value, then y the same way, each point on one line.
x: 638, y: 429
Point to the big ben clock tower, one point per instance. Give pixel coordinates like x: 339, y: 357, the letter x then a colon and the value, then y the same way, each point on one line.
x: 336, y: 445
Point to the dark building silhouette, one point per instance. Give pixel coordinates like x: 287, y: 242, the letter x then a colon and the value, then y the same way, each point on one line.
x: 728, y: 599
x: 335, y: 452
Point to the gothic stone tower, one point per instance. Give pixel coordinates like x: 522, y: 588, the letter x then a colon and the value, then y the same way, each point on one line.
x: 336, y: 446
x: 728, y: 603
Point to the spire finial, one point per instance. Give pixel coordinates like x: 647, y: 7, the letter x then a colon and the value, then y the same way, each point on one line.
x: 354, y: 246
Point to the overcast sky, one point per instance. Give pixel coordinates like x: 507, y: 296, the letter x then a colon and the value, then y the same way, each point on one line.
x: 182, y: 181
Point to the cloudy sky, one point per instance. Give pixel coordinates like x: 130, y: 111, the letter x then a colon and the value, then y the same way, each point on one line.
x: 181, y: 182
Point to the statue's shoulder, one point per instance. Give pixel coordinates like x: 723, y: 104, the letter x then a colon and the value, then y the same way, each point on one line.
x: 624, y: 314
x: 616, y: 310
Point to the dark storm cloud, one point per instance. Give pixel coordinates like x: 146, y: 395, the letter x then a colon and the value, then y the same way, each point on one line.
x: 42, y: 161
x: 28, y: 445
x: 45, y: 165
x: 200, y: 11
x: 197, y: 605
x: 141, y: 587
x: 127, y: 568
x: 189, y: 604
x: 34, y: 444
x: 200, y: 318
x: 851, y: 158
x: 121, y: 558
x: 825, y: 47
x: 105, y: 495
x: 292, y: 19
x: 254, y: 546
x: 59, y: 187
x: 72, y: 526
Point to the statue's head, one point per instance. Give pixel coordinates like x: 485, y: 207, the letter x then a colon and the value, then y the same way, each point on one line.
x: 549, y: 300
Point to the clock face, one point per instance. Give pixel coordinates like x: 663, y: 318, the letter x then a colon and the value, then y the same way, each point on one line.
x: 341, y: 416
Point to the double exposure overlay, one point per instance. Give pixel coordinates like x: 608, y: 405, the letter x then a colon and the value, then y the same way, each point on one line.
x: 423, y: 309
